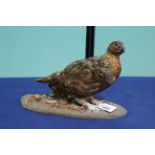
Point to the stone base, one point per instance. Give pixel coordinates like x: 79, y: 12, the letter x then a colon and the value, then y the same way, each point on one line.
x: 50, y: 104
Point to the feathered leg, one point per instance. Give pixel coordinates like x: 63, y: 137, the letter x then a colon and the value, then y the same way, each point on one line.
x: 86, y: 103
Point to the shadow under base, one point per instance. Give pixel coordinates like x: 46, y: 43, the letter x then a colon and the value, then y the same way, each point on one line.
x: 49, y: 104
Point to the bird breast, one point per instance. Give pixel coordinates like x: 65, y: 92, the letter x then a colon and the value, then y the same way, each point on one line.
x: 115, y: 65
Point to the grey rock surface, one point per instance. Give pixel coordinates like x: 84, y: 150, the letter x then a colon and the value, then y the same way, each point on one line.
x: 56, y: 106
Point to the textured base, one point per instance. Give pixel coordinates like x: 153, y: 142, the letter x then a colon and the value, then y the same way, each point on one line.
x: 53, y: 105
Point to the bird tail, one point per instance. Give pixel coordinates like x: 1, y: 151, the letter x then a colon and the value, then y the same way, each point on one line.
x: 44, y: 79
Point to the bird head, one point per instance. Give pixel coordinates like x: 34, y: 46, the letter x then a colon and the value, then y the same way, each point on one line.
x: 116, y: 48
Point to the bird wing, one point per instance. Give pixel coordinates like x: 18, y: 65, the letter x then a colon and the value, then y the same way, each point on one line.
x: 85, y: 77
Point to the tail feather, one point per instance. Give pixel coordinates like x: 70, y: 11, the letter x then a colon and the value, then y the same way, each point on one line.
x: 44, y: 79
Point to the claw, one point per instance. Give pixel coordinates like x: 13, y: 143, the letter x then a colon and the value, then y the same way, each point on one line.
x: 93, y: 106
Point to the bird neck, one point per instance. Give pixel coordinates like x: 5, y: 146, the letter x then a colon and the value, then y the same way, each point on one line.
x: 115, y: 63
x: 112, y: 55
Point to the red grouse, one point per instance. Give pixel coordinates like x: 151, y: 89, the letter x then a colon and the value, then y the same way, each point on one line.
x: 84, y: 78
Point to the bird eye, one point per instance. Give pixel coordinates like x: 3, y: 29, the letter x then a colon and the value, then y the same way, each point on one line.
x: 116, y: 44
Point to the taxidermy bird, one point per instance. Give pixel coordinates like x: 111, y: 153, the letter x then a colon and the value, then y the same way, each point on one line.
x: 84, y: 78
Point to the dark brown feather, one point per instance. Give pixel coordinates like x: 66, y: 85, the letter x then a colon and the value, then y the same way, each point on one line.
x: 87, y: 77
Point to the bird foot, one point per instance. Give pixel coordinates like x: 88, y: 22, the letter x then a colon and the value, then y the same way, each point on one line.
x: 93, y: 108
x: 90, y: 103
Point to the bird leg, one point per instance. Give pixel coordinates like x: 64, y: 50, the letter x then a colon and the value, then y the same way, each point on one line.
x: 84, y: 102
x: 93, y: 100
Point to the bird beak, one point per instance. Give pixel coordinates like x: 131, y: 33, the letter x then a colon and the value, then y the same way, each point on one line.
x: 122, y: 51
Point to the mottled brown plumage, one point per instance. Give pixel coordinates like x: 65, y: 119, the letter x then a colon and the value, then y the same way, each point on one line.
x: 87, y: 77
